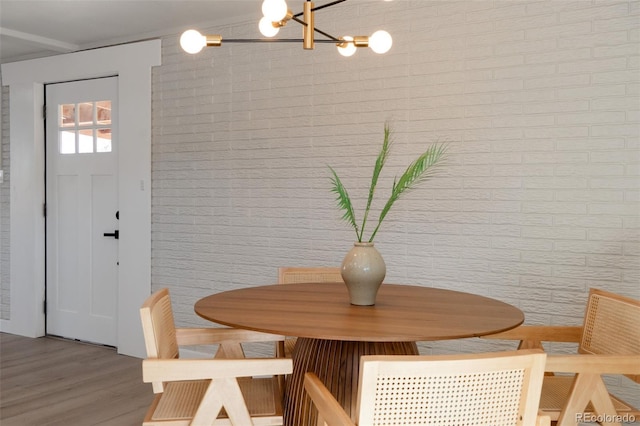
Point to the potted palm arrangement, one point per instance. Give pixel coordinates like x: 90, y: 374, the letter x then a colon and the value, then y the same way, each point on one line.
x: 363, y: 268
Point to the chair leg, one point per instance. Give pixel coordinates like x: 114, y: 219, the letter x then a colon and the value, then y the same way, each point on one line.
x: 587, y: 388
x: 602, y: 403
x: 222, y: 393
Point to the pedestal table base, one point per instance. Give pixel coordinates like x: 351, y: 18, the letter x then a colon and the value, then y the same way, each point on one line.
x: 337, y: 364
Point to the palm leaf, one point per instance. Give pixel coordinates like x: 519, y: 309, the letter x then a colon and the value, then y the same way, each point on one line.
x: 343, y: 201
x: 418, y: 171
x: 380, y: 161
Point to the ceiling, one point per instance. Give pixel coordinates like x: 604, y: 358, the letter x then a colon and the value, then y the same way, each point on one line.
x: 36, y: 28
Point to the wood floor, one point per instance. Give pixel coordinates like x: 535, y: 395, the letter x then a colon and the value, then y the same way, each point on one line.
x: 50, y: 381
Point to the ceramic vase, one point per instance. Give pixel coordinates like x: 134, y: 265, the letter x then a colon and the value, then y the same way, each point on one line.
x: 363, y: 270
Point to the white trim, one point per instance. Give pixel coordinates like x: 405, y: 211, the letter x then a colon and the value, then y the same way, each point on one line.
x: 49, y: 43
x: 132, y: 64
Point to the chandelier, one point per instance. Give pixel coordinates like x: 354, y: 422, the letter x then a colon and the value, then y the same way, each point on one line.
x: 277, y: 15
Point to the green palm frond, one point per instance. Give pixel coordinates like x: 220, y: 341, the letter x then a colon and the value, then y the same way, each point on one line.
x: 380, y: 161
x: 420, y: 170
x: 343, y: 201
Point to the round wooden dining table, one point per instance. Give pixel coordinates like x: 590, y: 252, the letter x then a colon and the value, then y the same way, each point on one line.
x: 333, y: 334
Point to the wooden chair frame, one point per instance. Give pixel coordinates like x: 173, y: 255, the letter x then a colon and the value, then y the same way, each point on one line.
x: 608, y: 343
x: 197, y: 391
x: 377, y: 384
x: 215, y: 385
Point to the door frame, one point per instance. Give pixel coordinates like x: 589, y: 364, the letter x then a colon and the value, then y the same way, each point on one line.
x: 26, y: 79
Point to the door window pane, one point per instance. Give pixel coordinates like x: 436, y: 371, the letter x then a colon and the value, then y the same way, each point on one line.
x: 85, y: 141
x: 85, y: 114
x: 103, y: 111
x: 103, y: 142
x: 67, y: 142
x: 67, y: 115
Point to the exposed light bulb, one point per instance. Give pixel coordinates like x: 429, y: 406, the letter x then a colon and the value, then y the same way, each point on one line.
x: 266, y: 27
x: 192, y: 41
x: 349, y: 48
x: 275, y: 10
x: 380, y: 41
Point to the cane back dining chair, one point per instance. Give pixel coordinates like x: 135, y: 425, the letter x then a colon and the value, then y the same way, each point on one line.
x: 207, y: 391
x: 608, y: 344
x: 296, y: 275
x: 497, y: 389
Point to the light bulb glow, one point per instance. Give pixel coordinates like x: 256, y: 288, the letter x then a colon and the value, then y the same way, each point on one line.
x: 380, y: 41
x: 349, y: 48
x: 266, y: 27
x: 274, y: 10
x: 192, y: 41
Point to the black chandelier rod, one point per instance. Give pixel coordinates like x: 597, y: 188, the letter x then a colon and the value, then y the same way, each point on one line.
x: 321, y: 7
x: 334, y: 39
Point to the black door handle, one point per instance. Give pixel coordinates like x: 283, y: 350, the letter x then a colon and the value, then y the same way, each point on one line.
x: 115, y: 234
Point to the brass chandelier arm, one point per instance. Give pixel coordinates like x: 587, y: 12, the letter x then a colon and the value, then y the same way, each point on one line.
x: 308, y: 30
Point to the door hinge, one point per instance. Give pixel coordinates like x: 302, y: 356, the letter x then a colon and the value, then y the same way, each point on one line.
x: 44, y: 307
x: 44, y: 111
x: 44, y: 209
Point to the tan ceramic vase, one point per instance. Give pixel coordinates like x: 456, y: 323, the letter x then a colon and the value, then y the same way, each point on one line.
x: 363, y: 270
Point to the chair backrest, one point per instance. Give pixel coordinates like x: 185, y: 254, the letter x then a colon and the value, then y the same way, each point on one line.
x: 158, y: 326
x: 611, y: 325
x: 294, y: 275
x: 497, y: 389
x: 159, y: 329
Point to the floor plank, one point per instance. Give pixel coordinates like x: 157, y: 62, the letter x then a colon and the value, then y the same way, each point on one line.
x: 51, y: 381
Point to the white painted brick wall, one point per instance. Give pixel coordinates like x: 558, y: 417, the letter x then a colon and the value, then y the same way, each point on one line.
x: 539, y: 200
x: 5, y: 289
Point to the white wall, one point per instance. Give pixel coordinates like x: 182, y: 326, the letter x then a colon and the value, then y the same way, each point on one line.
x: 5, y: 306
x: 540, y: 197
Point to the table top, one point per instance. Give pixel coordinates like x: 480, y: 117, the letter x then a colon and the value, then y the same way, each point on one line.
x: 322, y: 311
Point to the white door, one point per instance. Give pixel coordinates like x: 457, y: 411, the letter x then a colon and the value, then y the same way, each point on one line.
x: 81, y: 209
